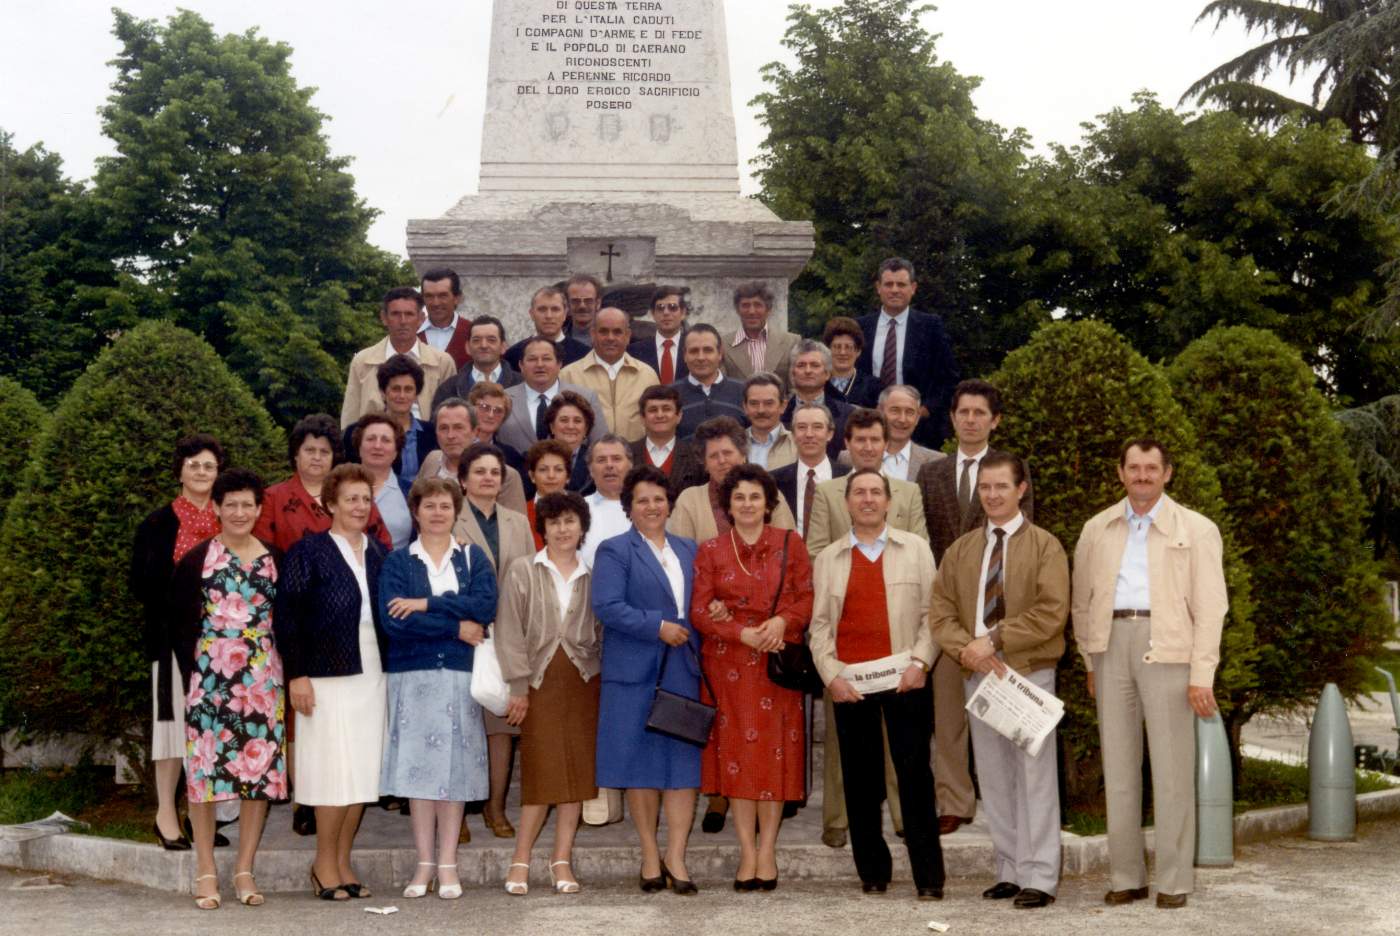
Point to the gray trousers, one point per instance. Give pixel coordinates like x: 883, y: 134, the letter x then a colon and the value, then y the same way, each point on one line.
x: 1020, y: 799
x: 1130, y: 691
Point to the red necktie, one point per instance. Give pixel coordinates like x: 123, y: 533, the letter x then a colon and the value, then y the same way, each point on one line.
x: 668, y: 364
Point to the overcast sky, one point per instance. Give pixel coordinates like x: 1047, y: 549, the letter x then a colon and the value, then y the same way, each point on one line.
x: 403, y: 83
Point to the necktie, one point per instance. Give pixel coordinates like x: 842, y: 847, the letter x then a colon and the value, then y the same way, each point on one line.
x: 809, y: 493
x: 888, y: 372
x: 541, y: 430
x: 668, y: 363
x: 993, y: 606
x: 965, y: 487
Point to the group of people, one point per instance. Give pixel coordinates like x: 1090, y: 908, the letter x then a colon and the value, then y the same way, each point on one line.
x: 667, y: 515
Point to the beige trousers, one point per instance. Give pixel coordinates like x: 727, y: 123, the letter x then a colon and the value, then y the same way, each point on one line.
x: 1130, y: 691
x: 833, y: 789
x: 952, y: 780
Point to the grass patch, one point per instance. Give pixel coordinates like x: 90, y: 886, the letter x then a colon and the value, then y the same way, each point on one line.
x: 87, y: 793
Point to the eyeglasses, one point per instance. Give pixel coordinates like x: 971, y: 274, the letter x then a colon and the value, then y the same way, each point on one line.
x: 490, y: 410
x: 193, y: 465
x: 667, y: 307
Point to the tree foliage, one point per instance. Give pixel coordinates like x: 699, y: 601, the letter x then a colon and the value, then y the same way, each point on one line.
x: 1373, y: 436
x: 21, y: 419
x: 1073, y: 396
x: 1291, y: 490
x: 71, y: 629
x: 878, y: 143
x: 226, y: 212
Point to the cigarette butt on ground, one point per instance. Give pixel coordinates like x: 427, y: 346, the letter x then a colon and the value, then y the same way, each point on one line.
x: 937, y: 927
x: 382, y: 911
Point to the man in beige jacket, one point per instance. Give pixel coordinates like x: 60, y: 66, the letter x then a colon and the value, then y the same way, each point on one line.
x: 401, y: 313
x: 614, y: 375
x: 1149, y: 605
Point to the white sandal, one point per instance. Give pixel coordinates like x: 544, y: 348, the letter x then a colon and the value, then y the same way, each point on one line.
x: 211, y: 901
x: 562, y: 887
x: 250, y: 898
x: 518, y: 888
x: 414, y: 891
x: 449, y: 891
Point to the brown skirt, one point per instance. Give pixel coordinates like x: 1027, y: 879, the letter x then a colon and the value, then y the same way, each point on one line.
x: 559, y: 737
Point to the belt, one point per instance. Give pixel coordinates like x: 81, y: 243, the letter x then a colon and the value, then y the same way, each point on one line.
x: 1130, y: 613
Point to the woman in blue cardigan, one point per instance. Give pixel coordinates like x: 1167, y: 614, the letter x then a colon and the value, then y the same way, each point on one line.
x: 436, y: 599
x: 642, y: 581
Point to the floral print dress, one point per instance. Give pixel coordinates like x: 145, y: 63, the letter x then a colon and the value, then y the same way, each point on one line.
x: 235, y: 704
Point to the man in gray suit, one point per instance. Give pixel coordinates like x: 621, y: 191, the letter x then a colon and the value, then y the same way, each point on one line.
x: 900, y: 403
x: 539, y: 366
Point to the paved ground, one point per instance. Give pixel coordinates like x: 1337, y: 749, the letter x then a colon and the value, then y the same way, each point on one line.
x: 1289, y: 886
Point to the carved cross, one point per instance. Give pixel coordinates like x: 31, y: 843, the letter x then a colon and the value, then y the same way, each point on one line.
x: 609, y: 253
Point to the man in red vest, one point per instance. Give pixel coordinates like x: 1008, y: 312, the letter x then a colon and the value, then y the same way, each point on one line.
x: 445, y: 329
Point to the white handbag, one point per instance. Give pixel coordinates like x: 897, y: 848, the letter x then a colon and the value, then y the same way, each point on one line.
x: 603, y: 809
x: 489, y: 689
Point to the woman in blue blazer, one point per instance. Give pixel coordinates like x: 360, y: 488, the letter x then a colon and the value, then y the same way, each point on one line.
x: 642, y: 581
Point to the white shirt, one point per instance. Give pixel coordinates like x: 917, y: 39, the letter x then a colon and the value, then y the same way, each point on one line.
x: 493, y: 377
x: 659, y: 453
x: 823, y: 470
x: 1132, y: 591
x: 897, y: 465
x: 439, y: 337
x: 671, y: 565
x: 532, y: 399
x: 606, y: 520
x: 719, y: 379
x: 1011, y: 526
x: 612, y: 368
x: 972, y: 472
x: 563, y: 588
x: 357, y: 567
x: 871, y: 551
x: 900, y: 323
x: 441, y: 578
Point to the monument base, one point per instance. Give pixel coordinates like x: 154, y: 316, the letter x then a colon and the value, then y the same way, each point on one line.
x: 505, y: 245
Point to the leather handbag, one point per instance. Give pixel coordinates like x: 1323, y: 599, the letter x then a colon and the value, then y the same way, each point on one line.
x: 679, y: 716
x: 792, y: 667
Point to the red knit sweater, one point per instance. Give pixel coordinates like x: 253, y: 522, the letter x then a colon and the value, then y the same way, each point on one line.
x: 863, y: 633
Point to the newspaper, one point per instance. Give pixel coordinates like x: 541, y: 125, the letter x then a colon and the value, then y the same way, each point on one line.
x: 1017, y: 709
x: 54, y: 824
x: 880, y: 675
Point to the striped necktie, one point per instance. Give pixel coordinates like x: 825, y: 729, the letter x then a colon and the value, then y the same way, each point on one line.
x: 993, y: 602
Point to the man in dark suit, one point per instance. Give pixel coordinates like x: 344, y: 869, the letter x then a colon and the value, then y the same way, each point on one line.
x: 486, y: 340
x: 444, y: 329
x: 549, y: 308
x: 903, y: 346
x: 530, y: 399
x: 705, y: 392
x: 662, y: 353
x: 813, y: 428
x: 679, y: 459
x: 809, y: 376
x: 952, y: 508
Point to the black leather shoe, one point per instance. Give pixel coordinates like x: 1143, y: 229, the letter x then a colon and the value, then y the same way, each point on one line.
x: 712, y: 822
x: 930, y: 893
x: 746, y: 884
x: 650, y: 885
x: 220, y: 840
x: 303, y: 820
x: 791, y: 807
x: 1120, y: 897
x: 1171, y: 901
x: 1031, y: 899
x: 768, y: 884
x: 870, y: 887
x: 1001, y: 890
x: 682, y: 888
x: 179, y: 843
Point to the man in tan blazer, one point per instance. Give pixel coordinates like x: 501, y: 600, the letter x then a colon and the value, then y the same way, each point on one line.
x: 401, y: 313
x: 614, y: 375
x: 871, y: 603
x: 754, y: 347
x: 1149, y: 605
x: 1000, y: 600
x: 771, y: 445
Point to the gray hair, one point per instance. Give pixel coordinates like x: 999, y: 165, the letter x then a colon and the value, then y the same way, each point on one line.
x: 610, y: 438
x: 456, y: 401
x: 808, y: 346
x: 895, y: 265
x: 902, y: 388
x: 825, y: 411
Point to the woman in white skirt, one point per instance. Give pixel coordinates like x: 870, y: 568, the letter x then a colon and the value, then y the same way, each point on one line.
x: 332, y: 646
x: 436, y: 599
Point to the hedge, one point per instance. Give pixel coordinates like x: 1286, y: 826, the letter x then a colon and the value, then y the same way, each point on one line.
x: 22, y: 418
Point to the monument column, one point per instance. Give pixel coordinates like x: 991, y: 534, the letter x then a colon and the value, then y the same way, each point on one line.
x: 608, y: 148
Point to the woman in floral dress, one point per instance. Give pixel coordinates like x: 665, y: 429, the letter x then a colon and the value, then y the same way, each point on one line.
x: 221, y: 625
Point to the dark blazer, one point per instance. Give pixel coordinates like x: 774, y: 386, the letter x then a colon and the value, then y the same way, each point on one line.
x: 724, y: 399
x: 316, y: 616
x: 570, y: 350
x: 461, y: 383
x: 687, y: 464
x: 863, y: 391
x: 457, y: 346
x: 840, y: 409
x: 644, y: 350
x: 425, y: 442
x: 929, y: 365
x: 786, y: 478
x: 631, y: 597
x: 938, y: 483
x: 185, y: 617
x: 428, y: 639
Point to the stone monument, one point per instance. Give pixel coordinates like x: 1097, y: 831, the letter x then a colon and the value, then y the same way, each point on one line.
x: 609, y: 148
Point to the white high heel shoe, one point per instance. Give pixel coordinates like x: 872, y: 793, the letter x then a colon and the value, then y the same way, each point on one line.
x: 518, y: 888
x: 562, y: 887
x: 449, y: 891
x: 414, y: 891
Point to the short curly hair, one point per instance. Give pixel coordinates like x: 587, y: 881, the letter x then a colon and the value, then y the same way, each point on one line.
x: 340, y: 476
x: 749, y: 472
x: 192, y: 445
x: 400, y: 365
x: 357, y: 435
x: 843, y: 325
x: 424, y: 488
x: 553, y: 506
x: 315, y: 426
x: 569, y: 398
x: 234, y: 480
x: 475, y: 453
x: 645, y: 474
x: 547, y: 447
x: 721, y: 427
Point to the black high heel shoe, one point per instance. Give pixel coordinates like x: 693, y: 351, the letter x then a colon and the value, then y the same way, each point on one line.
x: 176, y: 844
x: 682, y: 888
x: 745, y: 884
x: 768, y: 885
x: 220, y: 840
x: 651, y: 885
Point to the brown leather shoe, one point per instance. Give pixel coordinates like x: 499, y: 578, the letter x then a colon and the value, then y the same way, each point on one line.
x: 465, y: 835
x: 947, y: 825
x: 499, y: 825
x: 1170, y: 901
x: 1119, y: 897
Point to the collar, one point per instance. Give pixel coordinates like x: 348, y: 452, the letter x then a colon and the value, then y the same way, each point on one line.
x: 976, y: 458
x: 597, y: 499
x: 1011, y: 526
x: 390, y: 352
x: 741, y: 336
x: 450, y: 326
x: 612, y: 368
x: 819, y: 399
x: 494, y: 376
x: 662, y: 450
x: 1130, y: 516
x: 416, y: 548
x: 774, y: 435
x: 880, y: 540
x: 719, y: 379
x: 532, y: 396
x: 822, y: 468
x: 899, y: 319
x: 542, y: 558
x: 905, y: 453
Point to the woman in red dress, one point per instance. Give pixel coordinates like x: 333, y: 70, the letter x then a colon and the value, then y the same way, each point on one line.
x: 747, y: 603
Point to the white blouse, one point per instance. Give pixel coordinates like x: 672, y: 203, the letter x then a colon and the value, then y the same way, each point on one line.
x: 671, y: 565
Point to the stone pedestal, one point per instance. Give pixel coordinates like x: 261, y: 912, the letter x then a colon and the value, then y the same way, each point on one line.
x: 608, y: 148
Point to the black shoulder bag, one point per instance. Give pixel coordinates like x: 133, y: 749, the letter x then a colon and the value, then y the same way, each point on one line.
x: 792, y: 667
x: 676, y: 715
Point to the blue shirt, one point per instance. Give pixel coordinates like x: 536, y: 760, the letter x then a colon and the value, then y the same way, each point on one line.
x: 872, y: 551
x: 1132, y: 591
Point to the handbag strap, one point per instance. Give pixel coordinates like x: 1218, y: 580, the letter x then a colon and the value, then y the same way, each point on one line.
x: 666, y: 656
x: 782, y: 574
